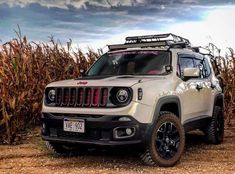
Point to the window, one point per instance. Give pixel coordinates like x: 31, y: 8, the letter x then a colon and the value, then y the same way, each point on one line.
x: 199, y: 63
x: 207, y: 68
x: 189, y: 61
x: 131, y: 63
x: 184, y: 62
x: 204, y: 67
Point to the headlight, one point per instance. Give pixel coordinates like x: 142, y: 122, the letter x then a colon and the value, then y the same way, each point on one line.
x: 51, y: 95
x: 121, y: 95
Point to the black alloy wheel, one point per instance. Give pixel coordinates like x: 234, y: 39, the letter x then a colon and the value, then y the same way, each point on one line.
x: 166, y: 143
x: 167, y: 140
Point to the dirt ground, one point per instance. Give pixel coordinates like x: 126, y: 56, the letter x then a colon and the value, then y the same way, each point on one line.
x: 199, y: 157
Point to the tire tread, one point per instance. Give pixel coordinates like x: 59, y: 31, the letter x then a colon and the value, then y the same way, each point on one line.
x: 147, y: 157
x: 211, y: 135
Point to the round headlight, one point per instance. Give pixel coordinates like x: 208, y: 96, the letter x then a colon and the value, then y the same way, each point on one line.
x: 51, y: 95
x: 122, y: 95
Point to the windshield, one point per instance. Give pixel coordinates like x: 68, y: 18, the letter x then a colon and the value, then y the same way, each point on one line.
x: 131, y: 63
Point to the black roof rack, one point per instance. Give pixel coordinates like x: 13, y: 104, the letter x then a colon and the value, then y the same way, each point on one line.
x: 160, y: 40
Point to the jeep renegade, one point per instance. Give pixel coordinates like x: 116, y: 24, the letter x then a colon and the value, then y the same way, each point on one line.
x: 147, y: 92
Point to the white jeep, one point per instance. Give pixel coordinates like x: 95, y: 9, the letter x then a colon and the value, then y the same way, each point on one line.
x: 146, y: 93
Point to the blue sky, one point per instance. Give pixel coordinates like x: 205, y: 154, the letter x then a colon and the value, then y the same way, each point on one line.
x: 95, y: 23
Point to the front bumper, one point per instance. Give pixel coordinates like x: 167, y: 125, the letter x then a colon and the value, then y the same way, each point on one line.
x: 99, y: 130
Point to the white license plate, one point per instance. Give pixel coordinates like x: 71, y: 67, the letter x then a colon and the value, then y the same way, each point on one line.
x: 74, y: 125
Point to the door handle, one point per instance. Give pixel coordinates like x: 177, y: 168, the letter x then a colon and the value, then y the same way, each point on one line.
x: 199, y: 87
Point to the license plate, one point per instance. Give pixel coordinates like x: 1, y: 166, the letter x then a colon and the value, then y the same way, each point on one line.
x: 74, y: 125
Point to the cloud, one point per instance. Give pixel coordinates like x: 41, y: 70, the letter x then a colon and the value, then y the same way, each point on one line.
x: 216, y: 28
x: 66, y: 4
x: 99, y: 22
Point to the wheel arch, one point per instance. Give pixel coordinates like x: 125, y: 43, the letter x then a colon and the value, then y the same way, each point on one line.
x: 163, y: 101
x: 219, y: 100
x: 168, y: 103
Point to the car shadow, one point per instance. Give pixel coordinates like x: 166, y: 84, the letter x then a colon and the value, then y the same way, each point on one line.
x: 193, y: 139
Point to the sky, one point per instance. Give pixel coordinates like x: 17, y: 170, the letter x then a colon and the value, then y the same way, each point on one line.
x: 96, y: 23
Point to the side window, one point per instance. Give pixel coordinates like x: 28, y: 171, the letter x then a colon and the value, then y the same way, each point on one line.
x: 204, y: 67
x: 207, y: 67
x: 199, y: 64
x: 184, y: 62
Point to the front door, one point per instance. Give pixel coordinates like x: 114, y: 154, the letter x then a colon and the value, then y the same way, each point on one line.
x: 191, y: 91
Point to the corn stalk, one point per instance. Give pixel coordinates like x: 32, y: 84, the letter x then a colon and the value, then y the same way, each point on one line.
x: 25, y: 69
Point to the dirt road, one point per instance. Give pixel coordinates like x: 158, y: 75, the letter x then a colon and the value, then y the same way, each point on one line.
x: 199, y: 157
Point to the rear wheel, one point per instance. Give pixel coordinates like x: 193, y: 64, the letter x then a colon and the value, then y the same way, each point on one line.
x: 215, y: 130
x: 167, y: 142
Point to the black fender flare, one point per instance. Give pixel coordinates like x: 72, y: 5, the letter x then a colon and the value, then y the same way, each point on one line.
x: 166, y: 100
x: 160, y: 103
x: 219, y: 96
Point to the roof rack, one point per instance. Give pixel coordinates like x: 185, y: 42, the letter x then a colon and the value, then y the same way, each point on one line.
x: 160, y: 40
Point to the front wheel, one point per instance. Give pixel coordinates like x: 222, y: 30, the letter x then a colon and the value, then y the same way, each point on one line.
x: 166, y: 143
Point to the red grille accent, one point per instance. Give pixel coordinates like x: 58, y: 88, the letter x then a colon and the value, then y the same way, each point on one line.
x: 72, y: 99
x: 96, y: 97
x: 88, y: 97
x: 104, y: 98
x: 82, y: 97
x: 58, y: 96
x: 66, y: 97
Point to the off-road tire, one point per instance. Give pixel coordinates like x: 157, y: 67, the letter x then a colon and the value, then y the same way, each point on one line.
x: 152, y: 155
x: 215, y: 130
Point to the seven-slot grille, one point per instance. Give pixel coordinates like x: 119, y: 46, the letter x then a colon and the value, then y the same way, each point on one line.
x: 81, y: 97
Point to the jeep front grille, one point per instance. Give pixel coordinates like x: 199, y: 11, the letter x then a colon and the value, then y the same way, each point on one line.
x: 81, y: 97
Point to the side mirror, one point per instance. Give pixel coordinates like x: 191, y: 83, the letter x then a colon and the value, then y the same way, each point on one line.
x: 191, y: 72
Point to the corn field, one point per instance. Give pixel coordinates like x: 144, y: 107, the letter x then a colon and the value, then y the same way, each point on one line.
x: 227, y: 73
x: 27, y: 67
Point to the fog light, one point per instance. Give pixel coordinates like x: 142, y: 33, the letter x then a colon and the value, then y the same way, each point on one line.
x: 128, y: 131
x: 124, y: 119
x: 121, y: 133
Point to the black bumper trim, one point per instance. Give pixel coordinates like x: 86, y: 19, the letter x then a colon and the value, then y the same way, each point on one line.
x: 90, y: 142
x: 98, y: 130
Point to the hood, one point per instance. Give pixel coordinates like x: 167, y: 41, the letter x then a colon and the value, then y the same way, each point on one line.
x: 126, y: 80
